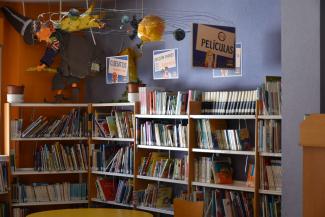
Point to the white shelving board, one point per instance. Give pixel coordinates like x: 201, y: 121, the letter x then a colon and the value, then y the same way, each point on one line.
x: 162, y: 148
x: 175, y: 181
x: 237, y: 186
x: 199, y: 150
x: 50, y: 203
x: 112, y: 174
x: 111, y: 203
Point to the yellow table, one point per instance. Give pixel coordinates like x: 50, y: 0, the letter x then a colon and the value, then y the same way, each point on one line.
x: 91, y: 212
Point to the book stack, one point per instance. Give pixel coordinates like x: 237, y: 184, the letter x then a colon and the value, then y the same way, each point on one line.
x: 19, y: 212
x: 4, y: 210
x: 113, y: 159
x: 223, y: 139
x: 159, y: 134
x: 16, y: 128
x: 44, y: 192
x: 73, y: 124
x: 107, y: 191
x: 227, y: 203
x: 155, y: 197
x: 119, y: 124
x: 217, y: 170
x: 229, y: 102
x: 270, y: 206
x: 270, y: 95
x: 58, y: 157
x: 158, y: 164
x: 271, y: 174
x: 157, y: 102
x: 269, y: 136
x: 4, y: 177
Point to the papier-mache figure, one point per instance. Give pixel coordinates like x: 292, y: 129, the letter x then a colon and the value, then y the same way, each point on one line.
x: 79, y: 57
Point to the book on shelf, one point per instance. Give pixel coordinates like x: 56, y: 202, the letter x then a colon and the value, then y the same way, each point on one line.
x: 229, y: 102
x: 155, y: 101
x: 225, y: 203
x: 154, y: 197
x: 4, y: 210
x: 270, y: 135
x: 158, y: 164
x: 74, y: 124
x: 271, y: 174
x: 19, y: 212
x: 250, y: 182
x: 117, y: 124
x: 270, y: 95
x: 4, y: 187
x: 44, y: 192
x: 107, y: 190
x: 208, y: 137
x: 270, y: 206
x: 59, y: 157
x: 163, y: 134
x: 113, y: 160
x: 217, y: 170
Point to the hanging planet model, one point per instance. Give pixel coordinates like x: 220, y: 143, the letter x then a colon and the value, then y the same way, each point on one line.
x: 151, y: 28
x: 179, y: 34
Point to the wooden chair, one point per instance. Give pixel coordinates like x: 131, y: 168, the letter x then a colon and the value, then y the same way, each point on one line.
x: 185, y: 208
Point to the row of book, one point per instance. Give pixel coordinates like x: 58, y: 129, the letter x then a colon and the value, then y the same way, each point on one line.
x: 108, y: 191
x: 4, y: 210
x: 74, y: 124
x: 4, y: 187
x: 44, y: 192
x: 270, y: 206
x: 270, y: 135
x: 110, y: 159
x: 158, y: 164
x: 271, y: 174
x: 270, y: 95
x: 229, y: 102
x: 208, y: 137
x: 161, y: 102
x: 117, y: 124
x: 217, y: 170
x: 58, y: 157
x: 19, y: 212
x: 154, y: 196
x: 159, y: 134
x: 225, y: 203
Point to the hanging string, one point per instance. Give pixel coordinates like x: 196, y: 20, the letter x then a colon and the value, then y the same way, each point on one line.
x: 60, y: 9
x: 23, y: 4
x: 91, y: 30
x: 142, y: 9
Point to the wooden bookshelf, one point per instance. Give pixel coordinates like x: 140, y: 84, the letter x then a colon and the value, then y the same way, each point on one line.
x: 140, y: 182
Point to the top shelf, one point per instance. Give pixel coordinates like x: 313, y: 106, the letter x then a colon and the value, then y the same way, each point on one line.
x: 163, y: 116
x: 120, y: 104
x: 270, y: 117
x: 71, y: 105
x: 223, y: 117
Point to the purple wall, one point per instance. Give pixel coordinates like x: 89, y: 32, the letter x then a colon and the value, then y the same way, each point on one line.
x: 258, y: 27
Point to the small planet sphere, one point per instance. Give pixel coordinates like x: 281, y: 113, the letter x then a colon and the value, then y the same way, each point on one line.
x: 125, y: 19
x: 179, y: 34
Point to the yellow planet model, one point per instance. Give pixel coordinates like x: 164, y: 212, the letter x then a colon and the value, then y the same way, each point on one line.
x: 151, y: 28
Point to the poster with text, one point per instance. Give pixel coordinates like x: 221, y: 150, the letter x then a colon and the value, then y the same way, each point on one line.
x: 117, y: 69
x: 165, y: 64
x: 238, y: 71
x: 213, y: 46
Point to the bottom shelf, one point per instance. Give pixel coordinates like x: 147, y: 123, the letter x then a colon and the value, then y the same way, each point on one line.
x: 157, y: 210
x: 270, y: 192
x: 50, y: 203
x: 111, y: 203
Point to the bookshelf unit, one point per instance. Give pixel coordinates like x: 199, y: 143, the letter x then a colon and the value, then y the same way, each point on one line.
x: 141, y: 150
x: 22, y: 152
x: 111, y: 142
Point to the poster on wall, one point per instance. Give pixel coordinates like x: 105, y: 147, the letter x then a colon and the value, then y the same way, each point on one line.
x: 213, y: 46
x: 165, y: 64
x: 117, y: 69
x: 237, y: 71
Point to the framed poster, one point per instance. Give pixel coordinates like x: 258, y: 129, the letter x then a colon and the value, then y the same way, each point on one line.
x: 165, y: 64
x: 236, y: 72
x: 117, y: 69
x: 213, y: 46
